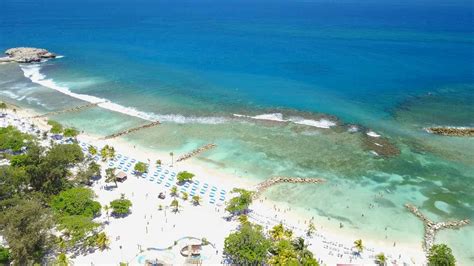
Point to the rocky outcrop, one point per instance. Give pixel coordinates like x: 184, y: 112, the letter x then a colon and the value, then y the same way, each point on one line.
x: 431, y: 228
x: 261, y: 187
x: 196, y: 152
x: 131, y: 130
x: 26, y: 55
x: 73, y: 109
x: 452, y: 131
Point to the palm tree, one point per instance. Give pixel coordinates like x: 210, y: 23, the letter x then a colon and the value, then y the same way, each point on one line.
x: 243, y: 219
x: 92, y: 150
x: 185, y: 196
x: 3, y: 106
x: 175, y: 205
x: 110, y: 176
x: 278, y: 232
x: 311, y: 229
x: 158, y: 162
x: 62, y: 260
x: 196, y: 199
x: 174, y: 191
x: 171, y: 154
x: 359, y: 245
x: 381, y: 259
x: 102, y: 241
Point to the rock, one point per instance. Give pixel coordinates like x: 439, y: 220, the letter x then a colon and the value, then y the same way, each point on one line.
x: 452, y: 131
x: 26, y: 55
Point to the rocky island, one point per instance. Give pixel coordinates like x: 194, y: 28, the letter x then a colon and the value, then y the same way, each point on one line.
x: 26, y: 55
x: 452, y: 131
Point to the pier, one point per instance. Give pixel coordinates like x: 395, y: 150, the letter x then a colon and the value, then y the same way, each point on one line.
x: 261, y: 187
x: 131, y: 130
x: 73, y: 109
x: 196, y: 152
x: 431, y: 228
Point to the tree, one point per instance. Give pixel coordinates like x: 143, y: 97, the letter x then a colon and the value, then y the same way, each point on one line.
x: 62, y: 260
x: 13, y: 139
x: 158, y: 163
x: 305, y: 257
x: 185, y: 196
x: 26, y: 227
x: 102, y: 241
x: 175, y: 205
x: 248, y: 246
x: 107, y: 152
x: 174, y: 191
x: 359, y: 245
x: 56, y: 128
x: 4, y: 255
x: 381, y: 259
x: 196, y: 199
x: 240, y: 203
x: 141, y: 167
x: 77, y: 227
x: 243, y: 219
x: 85, y: 176
x: 92, y: 150
x: 279, y: 232
x: 311, y: 229
x: 283, y: 253
x: 120, y: 207
x: 110, y: 176
x: 184, y: 177
x: 441, y: 255
x: 76, y: 201
x: 70, y: 132
x: 3, y: 106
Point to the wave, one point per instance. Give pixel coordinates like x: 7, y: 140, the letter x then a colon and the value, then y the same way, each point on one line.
x: 373, y: 134
x: 33, y: 73
x: 278, y: 117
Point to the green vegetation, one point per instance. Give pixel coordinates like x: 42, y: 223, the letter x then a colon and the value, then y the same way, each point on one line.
x: 92, y: 150
x: 175, y: 205
x: 184, y: 196
x: 174, y: 191
x: 56, y: 127
x: 158, y: 163
x: 13, y: 139
x: 441, y: 255
x: 196, y: 199
x: 359, y: 246
x: 4, y: 255
x: 381, y: 259
x: 39, y: 195
x: 249, y: 246
x: 3, y: 106
x: 107, y: 152
x: 120, y: 207
x: 184, y: 177
x: 240, y: 203
x: 141, y: 167
x: 76, y: 201
x: 110, y: 176
x: 102, y: 241
x: 70, y: 132
x: 311, y: 229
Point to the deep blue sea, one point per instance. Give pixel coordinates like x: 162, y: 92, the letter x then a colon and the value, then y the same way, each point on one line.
x: 219, y: 71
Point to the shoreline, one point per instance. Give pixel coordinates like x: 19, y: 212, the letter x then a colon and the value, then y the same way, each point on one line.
x: 261, y: 208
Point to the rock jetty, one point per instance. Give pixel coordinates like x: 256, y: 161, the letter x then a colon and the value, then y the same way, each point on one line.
x: 452, y: 131
x: 131, y: 130
x: 73, y: 109
x: 26, y: 55
x: 196, y: 152
x: 431, y: 228
x: 261, y: 187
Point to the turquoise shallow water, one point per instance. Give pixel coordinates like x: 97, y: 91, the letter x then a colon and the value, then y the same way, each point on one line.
x: 390, y: 67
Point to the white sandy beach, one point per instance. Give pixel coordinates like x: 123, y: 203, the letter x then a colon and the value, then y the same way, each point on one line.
x: 137, y: 237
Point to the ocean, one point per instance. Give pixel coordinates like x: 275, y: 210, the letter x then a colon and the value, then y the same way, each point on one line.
x: 335, y: 89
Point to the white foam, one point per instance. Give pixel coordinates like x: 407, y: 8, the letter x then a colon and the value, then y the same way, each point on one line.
x: 33, y: 73
x: 353, y: 129
x: 373, y: 134
x: 323, y: 123
x: 270, y: 117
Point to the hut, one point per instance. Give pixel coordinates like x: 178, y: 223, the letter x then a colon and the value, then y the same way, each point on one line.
x: 121, y: 176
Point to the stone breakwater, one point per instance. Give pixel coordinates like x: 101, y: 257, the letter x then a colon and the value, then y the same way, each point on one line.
x: 196, y: 152
x: 261, y: 187
x: 73, y: 109
x: 452, y: 131
x: 431, y: 228
x: 26, y: 55
x: 131, y: 130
